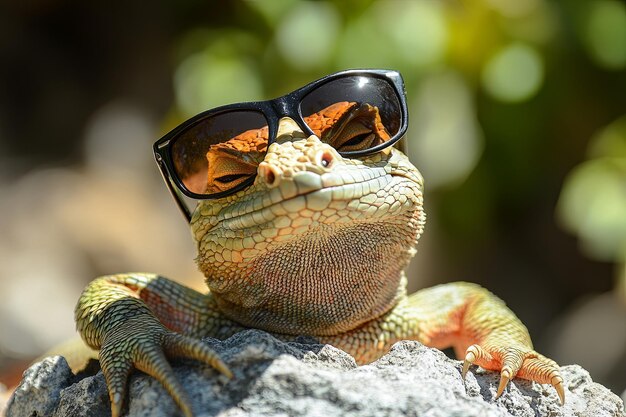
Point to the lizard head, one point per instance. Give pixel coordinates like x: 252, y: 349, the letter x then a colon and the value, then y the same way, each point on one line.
x: 318, y: 243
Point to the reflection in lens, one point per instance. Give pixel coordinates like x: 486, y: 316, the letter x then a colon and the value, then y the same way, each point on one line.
x: 220, y: 152
x: 362, y: 81
x: 353, y: 113
x: 348, y: 126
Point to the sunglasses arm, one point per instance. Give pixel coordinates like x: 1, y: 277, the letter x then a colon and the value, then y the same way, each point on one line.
x: 178, y: 197
x: 180, y: 202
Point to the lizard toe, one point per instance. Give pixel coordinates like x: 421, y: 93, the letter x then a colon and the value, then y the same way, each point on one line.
x: 511, y: 360
x: 116, y: 366
x: 545, y: 371
x: 475, y: 355
x: 177, y: 345
x: 153, y: 362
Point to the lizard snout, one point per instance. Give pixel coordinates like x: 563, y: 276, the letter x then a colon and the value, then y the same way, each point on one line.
x: 293, y: 153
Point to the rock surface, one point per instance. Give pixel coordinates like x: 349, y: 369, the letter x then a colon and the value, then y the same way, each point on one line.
x: 301, y: 378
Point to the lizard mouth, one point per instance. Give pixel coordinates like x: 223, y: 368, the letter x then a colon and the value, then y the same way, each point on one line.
x: 308, y: 198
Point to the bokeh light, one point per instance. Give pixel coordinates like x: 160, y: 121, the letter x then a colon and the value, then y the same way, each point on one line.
x: 593, y: 204
x: 401, y: 34
x: 417, y: 30
x: 605, y: 33
x: 212, y: 77
x: 514, y: 74
x: 307, y: 35
x: 444, y: 138
x: 593, y: 200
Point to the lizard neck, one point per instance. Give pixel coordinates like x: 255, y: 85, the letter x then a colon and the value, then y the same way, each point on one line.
x: 327, y: 281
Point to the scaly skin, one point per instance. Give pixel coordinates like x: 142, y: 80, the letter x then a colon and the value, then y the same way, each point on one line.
x: 316, y: 246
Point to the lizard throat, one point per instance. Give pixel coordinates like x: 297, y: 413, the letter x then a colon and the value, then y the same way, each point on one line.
x: 298, y: 272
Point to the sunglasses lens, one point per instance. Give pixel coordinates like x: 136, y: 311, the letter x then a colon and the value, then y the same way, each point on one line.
x: 353, y: 113
x: 220, y: 152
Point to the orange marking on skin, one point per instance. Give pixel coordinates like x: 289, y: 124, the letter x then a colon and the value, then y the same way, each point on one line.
x: 133, y: 288
x: 171, y: 317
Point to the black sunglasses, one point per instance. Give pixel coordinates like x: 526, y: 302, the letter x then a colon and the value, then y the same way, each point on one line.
x: 216, y: 153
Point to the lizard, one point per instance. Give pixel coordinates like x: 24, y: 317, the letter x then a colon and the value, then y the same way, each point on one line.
x: 317, y: 245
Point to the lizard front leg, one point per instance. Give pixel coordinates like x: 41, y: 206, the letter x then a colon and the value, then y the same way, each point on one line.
x: 477, y: 324
x: 136, y: 320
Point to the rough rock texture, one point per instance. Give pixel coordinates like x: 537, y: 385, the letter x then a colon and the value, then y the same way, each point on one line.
x: 305, y: 379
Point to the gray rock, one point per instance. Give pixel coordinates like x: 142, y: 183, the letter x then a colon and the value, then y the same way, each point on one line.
x: 275, y: 378
x: 40, y: 390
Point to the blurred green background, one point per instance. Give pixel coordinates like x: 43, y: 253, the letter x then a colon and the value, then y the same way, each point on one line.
x: 517, y: 122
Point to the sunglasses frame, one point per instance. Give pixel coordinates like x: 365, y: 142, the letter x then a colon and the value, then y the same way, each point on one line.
x: 272, y: 110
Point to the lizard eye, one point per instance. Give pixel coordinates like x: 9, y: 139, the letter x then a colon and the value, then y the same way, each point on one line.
x: 226, y: 170
x: 357, y: 128
x: 224, y: 179
x: 355, y: 136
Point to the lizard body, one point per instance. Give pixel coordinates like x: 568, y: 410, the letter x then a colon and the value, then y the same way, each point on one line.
x: 316, y: 245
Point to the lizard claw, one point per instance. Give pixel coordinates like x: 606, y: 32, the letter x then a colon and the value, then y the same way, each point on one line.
x: 558, y: 386
x: 504, y: 381
x: 515, y: 361
x: 177, y: 345
x: 147, y: 348
x: 473, y: 354
x: 466, y: 366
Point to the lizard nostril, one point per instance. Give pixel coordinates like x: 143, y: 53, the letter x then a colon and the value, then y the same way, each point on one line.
x: 326, y: 159
x: 271, y: 177
x: 270, y: 174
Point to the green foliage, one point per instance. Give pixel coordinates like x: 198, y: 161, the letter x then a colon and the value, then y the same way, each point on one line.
x: 593, y: 201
